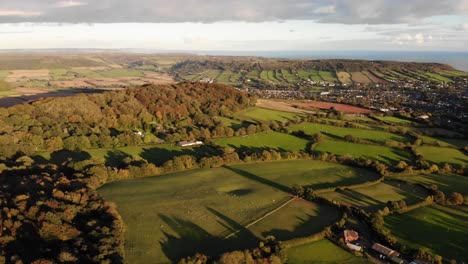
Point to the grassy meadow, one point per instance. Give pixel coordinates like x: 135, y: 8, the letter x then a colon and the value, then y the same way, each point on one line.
x: 322, y: 251
x: 375, y: 197
x: 256, y: 114
x: 312, y: 173
x: 443, y: 155
x: 380, y: 153
x: 446, y: 182
x: 334, y: 132
x: 264, y: 140
x: 440, y: 229
x: 179, y: 214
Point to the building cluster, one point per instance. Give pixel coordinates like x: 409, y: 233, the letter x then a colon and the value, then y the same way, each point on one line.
x: 448, y: 99
x: 352, y: 240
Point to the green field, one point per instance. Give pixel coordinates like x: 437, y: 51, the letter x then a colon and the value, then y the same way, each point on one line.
x: 316, y: 174
x: 264, y: 140
x: 256, y: 114
x: 375, y: 197
x: 334, y: 132
x: 380, y: 153
x: 392, y: 119
x: 446, y: 182
x: 172, y: 216
x: 445, y: 142
x: 441, y: 229
x: 177, y: 215
x: 311, y: 218
x: 443, y: 155
x: 322, y: 251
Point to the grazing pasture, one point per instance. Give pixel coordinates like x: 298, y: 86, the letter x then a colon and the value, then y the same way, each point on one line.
x: 394, y: 120
x: 334, y: 132
x: 312, y: 173
x: 440, y: 229
x: 264, y: 140
x: 179, y: 214
x: 322, y: 251
x: 298, y: 218
x: 380, y: 153
x: 443, y: 155
x: 172, y: 216
x: 445, y: 182
x: 375, y: 197
x: 256, y: 114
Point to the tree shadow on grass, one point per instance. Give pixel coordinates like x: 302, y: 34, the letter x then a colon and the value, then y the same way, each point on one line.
x: 192, y: 238
x: 64, y: 155
x: 159, y: 155
x: 307, y: 225
x: 114, y: 158
x: 256, y: 178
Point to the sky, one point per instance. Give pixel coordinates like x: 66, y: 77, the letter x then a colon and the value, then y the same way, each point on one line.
x: 236, y: 25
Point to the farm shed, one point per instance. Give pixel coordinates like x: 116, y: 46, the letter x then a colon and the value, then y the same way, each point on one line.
x: 385, y: 250
x: 353, y: 247
x: 190, y: 143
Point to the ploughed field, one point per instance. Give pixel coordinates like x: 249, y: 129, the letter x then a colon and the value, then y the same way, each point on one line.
x: 176, y: 215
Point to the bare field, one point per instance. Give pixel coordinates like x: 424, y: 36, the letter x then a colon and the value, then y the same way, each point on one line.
x: 280, y: 106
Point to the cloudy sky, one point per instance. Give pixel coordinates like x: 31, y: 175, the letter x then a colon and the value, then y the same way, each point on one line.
x: 236, y: 25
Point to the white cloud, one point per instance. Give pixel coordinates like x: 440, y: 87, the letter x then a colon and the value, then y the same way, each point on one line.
x: 325, y: 10
x: 70, y: 3
x: 19, y: 13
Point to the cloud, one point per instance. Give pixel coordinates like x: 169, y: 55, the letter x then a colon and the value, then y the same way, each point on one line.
x: 70, y: 4
x: 208, y: 11
x: 462, y: 27
x: 18, y: 13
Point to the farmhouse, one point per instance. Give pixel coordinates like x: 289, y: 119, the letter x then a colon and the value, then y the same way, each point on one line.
x: 385, y: 250
x: 350, y: 236
x: 353, y: 247
x: 189, y: 143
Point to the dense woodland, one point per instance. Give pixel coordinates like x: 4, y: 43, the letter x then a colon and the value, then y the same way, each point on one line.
x: 111, y: 119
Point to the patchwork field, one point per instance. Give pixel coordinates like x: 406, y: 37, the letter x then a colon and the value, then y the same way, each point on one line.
x: 322, y: 251
x: 443, y: 155
x: 381, y: 153
x: 440, y: 229
x: 375, y: 197
x: 264, y: 140
x: 334, y: 132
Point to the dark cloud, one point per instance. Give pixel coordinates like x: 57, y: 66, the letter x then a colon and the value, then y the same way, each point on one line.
x: 208, y: 11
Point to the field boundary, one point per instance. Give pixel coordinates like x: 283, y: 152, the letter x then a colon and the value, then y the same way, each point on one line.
x: 262, y: 217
